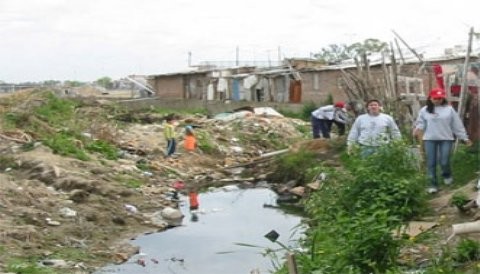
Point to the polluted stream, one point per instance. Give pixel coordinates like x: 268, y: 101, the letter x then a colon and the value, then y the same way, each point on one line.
x: 227, y: 234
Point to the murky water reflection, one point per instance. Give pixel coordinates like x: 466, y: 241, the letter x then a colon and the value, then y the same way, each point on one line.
x: 208, y: 246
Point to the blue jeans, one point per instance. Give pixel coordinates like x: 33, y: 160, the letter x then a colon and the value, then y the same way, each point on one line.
x: 438, y: 153
x: 171, y: 145
x: 321, y: 125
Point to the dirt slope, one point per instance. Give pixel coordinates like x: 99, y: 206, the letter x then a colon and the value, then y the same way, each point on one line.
x: 56, y: 207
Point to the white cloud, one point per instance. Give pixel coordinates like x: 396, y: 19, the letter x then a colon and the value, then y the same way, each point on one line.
x: 86, y: 39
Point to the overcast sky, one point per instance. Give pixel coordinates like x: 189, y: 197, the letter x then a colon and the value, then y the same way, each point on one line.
x: 86, y: 40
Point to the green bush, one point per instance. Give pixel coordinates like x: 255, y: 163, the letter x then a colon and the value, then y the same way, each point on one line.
x: 353, y: 216
x: 204, y: 141
x: 467, y: 251
x: 65, y: 144
x: 26, y: 267
x: 465, y: 161
x: 295, y: 166
x: 459, y: 199
x: 56, y: 111
x: 307, y: 110
x: 13, y: 120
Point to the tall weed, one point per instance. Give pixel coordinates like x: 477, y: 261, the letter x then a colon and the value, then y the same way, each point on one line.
x: 354, y: 213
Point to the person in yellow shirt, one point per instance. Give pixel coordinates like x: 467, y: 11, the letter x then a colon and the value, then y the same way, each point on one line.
x: 190, y: 141
x: 169, y: 133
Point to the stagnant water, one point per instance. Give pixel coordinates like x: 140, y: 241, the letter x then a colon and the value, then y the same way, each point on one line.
x: 210, y: 245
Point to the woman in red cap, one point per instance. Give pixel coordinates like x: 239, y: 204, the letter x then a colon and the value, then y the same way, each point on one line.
x: 440, y: 125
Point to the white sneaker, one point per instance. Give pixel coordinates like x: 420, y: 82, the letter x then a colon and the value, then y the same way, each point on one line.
x: 448, y: 181
x: 432, y: 190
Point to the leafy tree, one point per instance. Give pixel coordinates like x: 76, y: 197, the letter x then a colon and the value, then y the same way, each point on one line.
x: 73, y: 83
x: 335, y: 53
x: 51, y: 82
x: 368, y: 46
x: 105, y: 82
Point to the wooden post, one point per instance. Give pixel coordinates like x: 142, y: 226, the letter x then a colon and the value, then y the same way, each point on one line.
x: 394, y: 73
x: 412, y: 50
x: 386, y: 78
x: 478, y: 116
x: 399, y: 51
x: 291, y: 264
x: 464, y: 88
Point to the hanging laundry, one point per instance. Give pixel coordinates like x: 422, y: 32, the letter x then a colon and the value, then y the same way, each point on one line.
x: 210, y: 92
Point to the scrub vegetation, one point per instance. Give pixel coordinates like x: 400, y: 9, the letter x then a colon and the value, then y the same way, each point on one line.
x: 356, y: 219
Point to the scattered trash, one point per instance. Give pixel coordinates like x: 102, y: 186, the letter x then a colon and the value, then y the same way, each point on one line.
x: 141, y: 262
x: 236, y: 149
x: 173, y: 259
x: 67, y: 212
x: 53, y: 263
x: 51, y: 222
x: 230, y: 188
x: 178, y: 185
x: 272, y: 235
x: 131, y: 208
x: 147, y: 173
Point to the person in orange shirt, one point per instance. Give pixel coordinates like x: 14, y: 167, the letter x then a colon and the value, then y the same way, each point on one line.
x: 193, y: 199
x: 190, y: 141
x: 194, y: 204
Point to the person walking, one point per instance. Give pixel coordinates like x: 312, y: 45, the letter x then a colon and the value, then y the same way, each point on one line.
x: 372, y: 130
x: 323, y: 118
x: 440, y: 125
x: 169, y: 133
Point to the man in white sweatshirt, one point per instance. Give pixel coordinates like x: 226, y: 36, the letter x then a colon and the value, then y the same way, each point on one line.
x: 323, y: 118
x: 440, y: 125
x: 372, y: 130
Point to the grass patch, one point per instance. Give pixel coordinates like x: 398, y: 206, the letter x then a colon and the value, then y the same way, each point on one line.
x: 128, y: 181
x: 108, y: 150
x: 63, y: 143
x: 295, y: 166
x: 7, y: 162
x: 73, y: 254
x: 21, y: 266
x: 465, y: 162
x: 56, y: 111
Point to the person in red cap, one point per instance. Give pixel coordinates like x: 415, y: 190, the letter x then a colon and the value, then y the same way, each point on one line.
x: 440, y: 125
x: 323, y: 118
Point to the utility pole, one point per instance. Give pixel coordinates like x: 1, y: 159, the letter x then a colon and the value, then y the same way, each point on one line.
x: 237, y: 61
x: 189, y: 59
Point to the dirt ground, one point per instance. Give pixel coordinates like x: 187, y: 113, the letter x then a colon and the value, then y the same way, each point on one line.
x: 54, y: 207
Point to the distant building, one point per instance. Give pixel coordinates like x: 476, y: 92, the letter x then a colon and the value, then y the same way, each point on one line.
x: 298, y: 80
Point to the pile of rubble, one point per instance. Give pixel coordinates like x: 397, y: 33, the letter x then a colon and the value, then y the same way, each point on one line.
x: 51, y: 203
